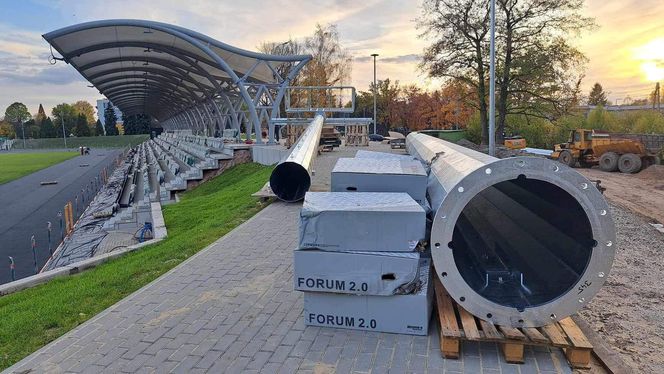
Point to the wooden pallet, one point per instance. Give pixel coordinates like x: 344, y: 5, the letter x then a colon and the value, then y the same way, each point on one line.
x: 457, y: 325
x: 357, y: 135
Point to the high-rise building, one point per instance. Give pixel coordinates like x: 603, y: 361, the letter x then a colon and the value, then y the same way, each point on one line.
x: 102, y: 104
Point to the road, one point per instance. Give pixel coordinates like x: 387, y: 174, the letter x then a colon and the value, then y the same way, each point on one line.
x: 26, y: 207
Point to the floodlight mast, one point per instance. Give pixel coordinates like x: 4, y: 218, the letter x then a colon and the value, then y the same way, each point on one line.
x: 521, y: 241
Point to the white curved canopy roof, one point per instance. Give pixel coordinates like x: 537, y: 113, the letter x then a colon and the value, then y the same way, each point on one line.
x: 161, y: 69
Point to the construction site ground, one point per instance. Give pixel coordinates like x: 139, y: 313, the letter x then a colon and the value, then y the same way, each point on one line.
x: 627, y: 312
x: 641, y: 193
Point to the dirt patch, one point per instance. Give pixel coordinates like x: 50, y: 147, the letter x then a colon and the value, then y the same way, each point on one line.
x: 629, y: 310
x: 641, y: 193
x: 654, y: 173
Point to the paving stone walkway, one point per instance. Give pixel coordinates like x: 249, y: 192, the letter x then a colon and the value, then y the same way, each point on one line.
x: 232, y: 309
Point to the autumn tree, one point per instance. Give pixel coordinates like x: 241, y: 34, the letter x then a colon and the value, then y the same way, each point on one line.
x: 597, y: 95
x: 7, y: 130
x: 331, y: 65
x: 85, y: 108
x: 16, y: 114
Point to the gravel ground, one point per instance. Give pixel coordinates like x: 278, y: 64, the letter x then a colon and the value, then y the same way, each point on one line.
x: 629, y: 310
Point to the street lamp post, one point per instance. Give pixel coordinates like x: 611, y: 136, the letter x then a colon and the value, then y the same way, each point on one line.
x: 23, y: 131
x: 492, y: 83
x: 64, y: 135
x: 374, y: 55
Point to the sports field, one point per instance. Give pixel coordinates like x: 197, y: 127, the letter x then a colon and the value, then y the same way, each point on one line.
x: 17, y: 165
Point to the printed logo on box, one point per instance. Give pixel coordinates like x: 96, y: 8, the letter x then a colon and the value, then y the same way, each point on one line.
x: 341, y: 321
x: 331, y: 284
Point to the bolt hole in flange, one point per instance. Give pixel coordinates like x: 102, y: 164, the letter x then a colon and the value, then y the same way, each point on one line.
x: 522, y: 243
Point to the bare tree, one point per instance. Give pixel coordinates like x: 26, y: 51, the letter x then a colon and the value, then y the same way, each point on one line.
x: 291, y: 47
x: 331, y: 64
x: 459, y: 29
x: 538, y: 71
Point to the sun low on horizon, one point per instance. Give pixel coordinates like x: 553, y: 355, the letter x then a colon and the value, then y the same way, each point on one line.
x: 651, y: 58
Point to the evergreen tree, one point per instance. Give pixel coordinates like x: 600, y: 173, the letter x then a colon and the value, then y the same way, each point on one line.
x: 31, y: 129
x: 41, y: 115
x: 137, y: 124
x: 99, y: 129
x: 47, y: 129
x: 81, y: 128
x: 110, y: 119
x: 597, y: 96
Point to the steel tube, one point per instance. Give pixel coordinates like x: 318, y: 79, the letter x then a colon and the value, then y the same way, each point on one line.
x: 521, y: 241
x: 290, y: 179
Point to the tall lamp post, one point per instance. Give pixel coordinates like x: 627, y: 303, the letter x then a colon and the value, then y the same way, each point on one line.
x: 23, y: 131
x: 374, y: 55
x: 492, y: 83
x: 64, y: 134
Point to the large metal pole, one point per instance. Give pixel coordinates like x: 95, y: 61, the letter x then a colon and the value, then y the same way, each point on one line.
x: 521, y: 241
x: 64, y: 134
x: 492, y: 83
x: 374, y: 91
x: 290, y: 179
x: 23, y: 131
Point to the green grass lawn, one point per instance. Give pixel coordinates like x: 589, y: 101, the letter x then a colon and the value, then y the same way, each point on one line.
x: 16, y: 165
x: 32, y: 318
x: 119, y: 141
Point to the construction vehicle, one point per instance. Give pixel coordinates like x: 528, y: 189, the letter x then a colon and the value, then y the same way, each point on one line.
x: 515, y: 142
x: 629, y: 153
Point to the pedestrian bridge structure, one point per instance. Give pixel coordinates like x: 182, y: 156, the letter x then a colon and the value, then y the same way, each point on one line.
x: 183, y: 79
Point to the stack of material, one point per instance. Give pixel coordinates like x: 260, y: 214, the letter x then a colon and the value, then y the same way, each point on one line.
x: 360, y: 261
x: 388, y: 173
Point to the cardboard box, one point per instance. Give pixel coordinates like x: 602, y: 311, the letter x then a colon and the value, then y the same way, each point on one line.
x: 361, y: 221
x: 401, y: 314
x: 380, y: 175
x: 359, y: 273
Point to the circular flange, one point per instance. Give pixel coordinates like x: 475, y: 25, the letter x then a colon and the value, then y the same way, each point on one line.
x: 589, y: 198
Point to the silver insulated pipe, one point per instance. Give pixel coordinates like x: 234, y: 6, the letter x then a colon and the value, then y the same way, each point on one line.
x: 290, y: 179
x: 521, y: 241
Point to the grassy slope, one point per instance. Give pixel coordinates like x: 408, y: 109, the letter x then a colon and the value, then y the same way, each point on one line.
x: 119, y: 141
x: 32, y: 318
x: 16, y: 165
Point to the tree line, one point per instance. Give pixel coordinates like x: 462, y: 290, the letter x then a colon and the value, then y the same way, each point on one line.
x: 75, y: 119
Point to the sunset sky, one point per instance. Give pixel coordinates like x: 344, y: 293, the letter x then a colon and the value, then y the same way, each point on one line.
x: 626, y: 53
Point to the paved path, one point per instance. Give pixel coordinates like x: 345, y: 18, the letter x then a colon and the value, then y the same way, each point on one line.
x: 26, y: 206
x: 231, y: 308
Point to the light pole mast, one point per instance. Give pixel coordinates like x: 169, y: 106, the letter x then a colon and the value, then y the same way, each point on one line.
x: 374, y: 55
x: 23, y: 131
x: 492, y: 83
x: 64, y: 135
